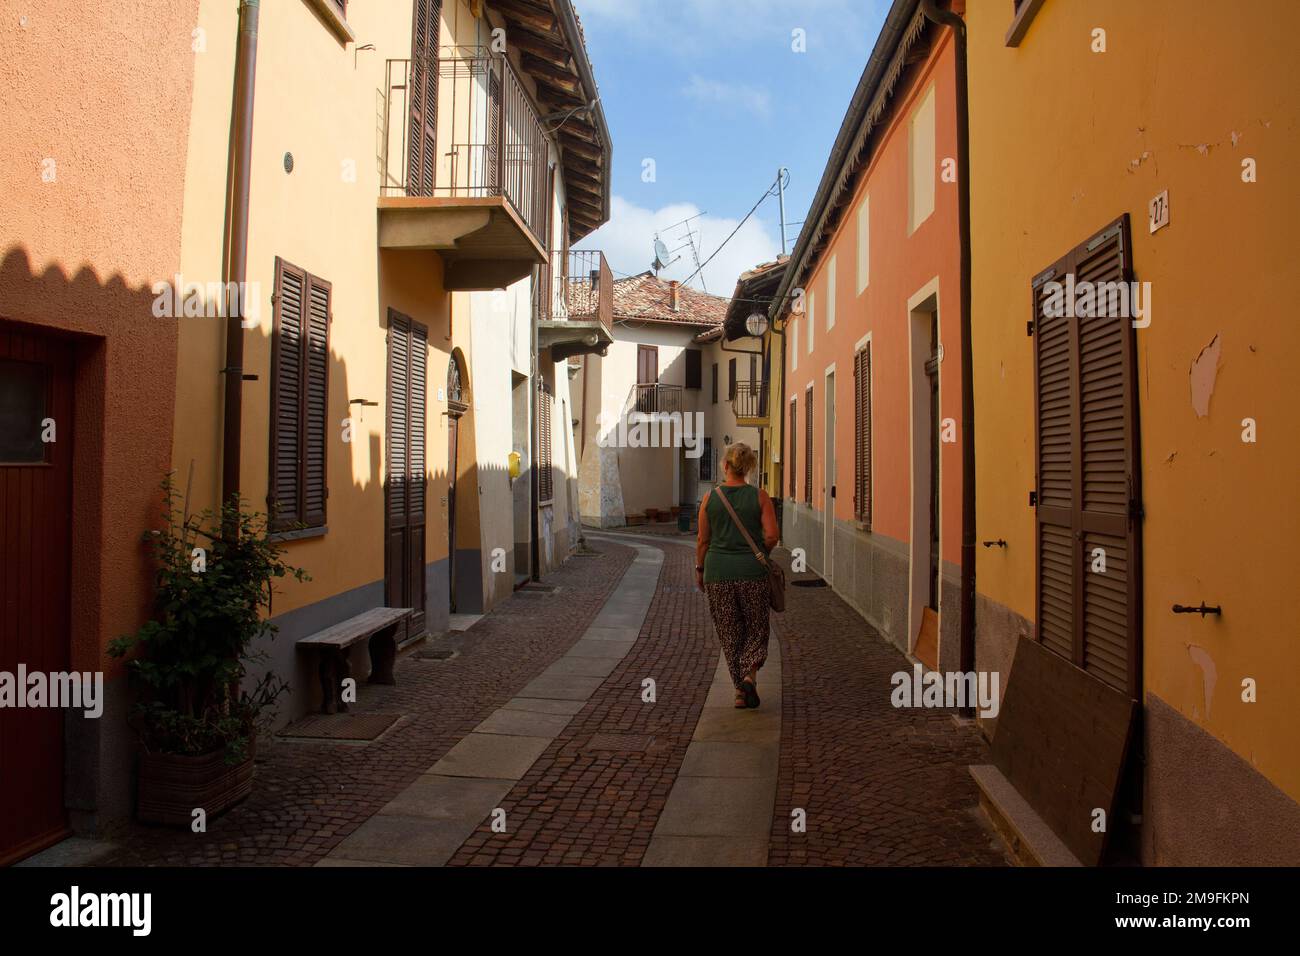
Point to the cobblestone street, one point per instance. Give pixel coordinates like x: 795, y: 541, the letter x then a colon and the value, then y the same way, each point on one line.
x: 533, y: 744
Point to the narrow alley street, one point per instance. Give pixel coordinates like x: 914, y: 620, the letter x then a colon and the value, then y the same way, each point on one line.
x: 555, y: 752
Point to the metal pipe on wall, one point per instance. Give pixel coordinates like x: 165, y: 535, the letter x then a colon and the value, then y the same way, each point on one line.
x: 235, y: 244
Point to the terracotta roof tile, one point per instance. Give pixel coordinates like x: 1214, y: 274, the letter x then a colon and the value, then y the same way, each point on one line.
x: 647, y: 297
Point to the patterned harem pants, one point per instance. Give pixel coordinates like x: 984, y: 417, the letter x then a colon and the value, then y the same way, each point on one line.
x: 740, y: 610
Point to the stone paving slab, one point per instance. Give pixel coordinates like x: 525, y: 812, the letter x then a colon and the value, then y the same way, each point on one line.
x: 438, y: 797
x: 494, y: 756
x: 523, y: 723
x: 582, y: 667
x: 710, y: 758
x: 406, y: 840
x: 561, y: 688
x: 538, y: 705
x: 717, y: 807
x: 710, y: 851
x: 608, y: 650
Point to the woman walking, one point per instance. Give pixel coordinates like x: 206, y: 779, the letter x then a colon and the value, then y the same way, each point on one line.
x: 728, y: 571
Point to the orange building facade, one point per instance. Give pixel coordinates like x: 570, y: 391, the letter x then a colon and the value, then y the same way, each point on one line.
x: 871, y: 406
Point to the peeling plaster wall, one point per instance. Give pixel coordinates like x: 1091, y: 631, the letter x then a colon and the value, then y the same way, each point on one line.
x: 1222, y: 523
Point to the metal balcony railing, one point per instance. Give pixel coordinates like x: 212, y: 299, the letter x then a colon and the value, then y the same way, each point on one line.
x: 750, y: 400
x: 462, y: 125
x: 655, y: 398
x: 580, y: 288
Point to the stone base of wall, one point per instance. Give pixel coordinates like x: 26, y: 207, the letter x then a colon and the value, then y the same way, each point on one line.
x: 997, y: 630
x: 1205, y: 805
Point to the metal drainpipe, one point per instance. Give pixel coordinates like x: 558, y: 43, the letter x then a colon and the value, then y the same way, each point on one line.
x: 967, y: 630
x: 235, y: 244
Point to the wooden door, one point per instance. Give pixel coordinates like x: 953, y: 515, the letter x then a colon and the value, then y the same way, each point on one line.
x: 932, y: 374
x: 35, y: 555
x: 1088, y: 496
x: 406, y: 484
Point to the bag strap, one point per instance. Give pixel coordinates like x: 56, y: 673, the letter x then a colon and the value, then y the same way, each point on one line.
x: 762, y: 558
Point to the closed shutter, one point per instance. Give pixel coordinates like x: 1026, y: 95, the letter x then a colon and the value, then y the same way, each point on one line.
x: 808, y: 446
x: 545, y: 408
x: 862, y: 434
x: 284, y: 488
x: 1088, y: 540
x: 731, y: 379
x: 715, y: 383
x: 694, y: 368
x: 423, y: 93
x: 793, y: 450
x: 399, y: 418
x: 416, y: 463
x: 706, y: 461
x: 316, y: 402
x: 297, y: 488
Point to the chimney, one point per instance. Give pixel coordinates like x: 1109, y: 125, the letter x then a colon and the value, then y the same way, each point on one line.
x: 672, y: 294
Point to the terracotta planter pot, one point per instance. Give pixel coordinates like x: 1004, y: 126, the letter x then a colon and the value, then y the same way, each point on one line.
x: 676, y: 510
x: 172, y: 786
x: 635, y: 519
x: 651, y: 515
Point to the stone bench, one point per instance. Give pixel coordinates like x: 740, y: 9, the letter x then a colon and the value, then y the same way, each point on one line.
x: 379, y: 626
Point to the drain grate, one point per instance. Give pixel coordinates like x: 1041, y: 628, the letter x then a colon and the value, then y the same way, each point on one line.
x: 809, y: 583
x: 620, y: 743
x: 341, y: 726
x: 436, y: 654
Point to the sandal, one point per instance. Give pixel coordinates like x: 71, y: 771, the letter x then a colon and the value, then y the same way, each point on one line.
x: 750, y: 693
x: 741, y: 700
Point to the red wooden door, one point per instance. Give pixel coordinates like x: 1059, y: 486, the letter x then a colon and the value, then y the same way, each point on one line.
x: 35, y: 528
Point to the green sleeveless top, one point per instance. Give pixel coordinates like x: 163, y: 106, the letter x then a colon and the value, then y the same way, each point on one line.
x: 729, y: 557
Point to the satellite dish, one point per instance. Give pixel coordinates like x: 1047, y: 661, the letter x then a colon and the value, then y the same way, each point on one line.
x: 661, y: 254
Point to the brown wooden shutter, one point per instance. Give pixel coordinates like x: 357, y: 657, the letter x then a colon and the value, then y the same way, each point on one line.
x: 423, y: 94
x: 399, y: 415
x: 715, y: 383
x: 284, y: 485
x: 793, y: 451
x: 808, y: 447
x: 694, y: 368
x: 1087, y: 471
x: 731, y: 379
x: 545, y: 477
x: 862, y: 434
x: 316, y: 403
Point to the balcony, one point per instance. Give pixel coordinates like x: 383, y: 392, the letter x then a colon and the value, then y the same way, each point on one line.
x: 464, y: 168
x: 657, y: 399
x: 575, y: 308
x: 749, y: 404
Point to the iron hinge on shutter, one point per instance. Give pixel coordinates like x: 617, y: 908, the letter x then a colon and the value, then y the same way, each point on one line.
x: 1033, y: 499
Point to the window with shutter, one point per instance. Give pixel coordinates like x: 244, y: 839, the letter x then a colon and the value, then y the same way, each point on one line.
x: 296, y: 489
x: 1086, y: 414
x: 545, y: 477
x: 694, y: 366
x: 862, y: 435
x: 731, y: 379
x: 706, y: 461
x: 715, y: 383
x: 792, y: 452
x: 808, y: 446
x: 423, y: 93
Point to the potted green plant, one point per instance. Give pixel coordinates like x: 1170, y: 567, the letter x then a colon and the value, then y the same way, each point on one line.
x: 196, y: 721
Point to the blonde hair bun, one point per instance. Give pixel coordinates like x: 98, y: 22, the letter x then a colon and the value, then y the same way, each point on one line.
x: 740, y: 459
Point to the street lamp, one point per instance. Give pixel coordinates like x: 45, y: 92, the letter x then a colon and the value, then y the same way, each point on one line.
x: 756, y: 324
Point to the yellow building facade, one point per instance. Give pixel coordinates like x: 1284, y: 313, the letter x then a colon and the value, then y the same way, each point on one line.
x: 1151, y: 143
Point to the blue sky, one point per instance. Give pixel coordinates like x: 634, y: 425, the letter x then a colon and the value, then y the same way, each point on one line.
x: 713, y: 92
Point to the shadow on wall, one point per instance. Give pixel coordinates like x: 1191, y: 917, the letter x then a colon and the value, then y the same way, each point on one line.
x: 123, y: 377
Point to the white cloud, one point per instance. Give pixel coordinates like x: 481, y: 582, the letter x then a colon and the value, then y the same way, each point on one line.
x: 628, y: 243
x: 748, y: 98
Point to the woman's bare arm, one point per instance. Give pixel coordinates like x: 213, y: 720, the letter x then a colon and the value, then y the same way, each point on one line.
x: 771, y: 533
x: 702, y: 536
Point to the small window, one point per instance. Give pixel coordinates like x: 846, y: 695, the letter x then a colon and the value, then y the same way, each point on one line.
x: 694, y: 365
x: 864, y: 244
x: 706, y: 461
x: 296, y: 490
x: 545, y: 475
x: 24, y: 389
x: 715, y: 383
x: 793, y: 452
x: 862, y: 436
x: 731, y: 379
x: 921, y: 169
x: 808, y: 446
x: 812, y: 318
